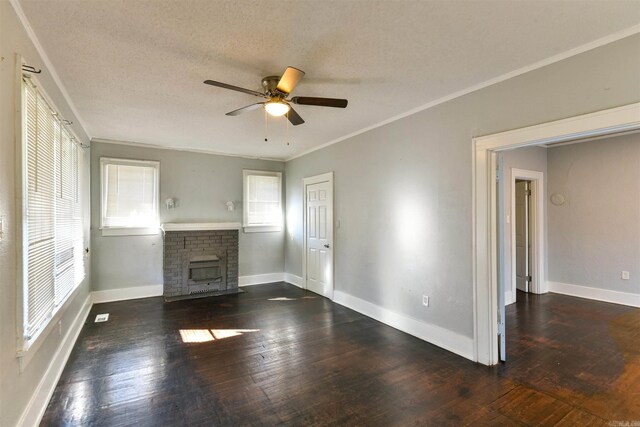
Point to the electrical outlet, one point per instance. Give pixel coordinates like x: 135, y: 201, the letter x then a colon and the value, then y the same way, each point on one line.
x: 625, y: 275
x: 1, y: 227
x: 60, y: 328
x: 425, y: 300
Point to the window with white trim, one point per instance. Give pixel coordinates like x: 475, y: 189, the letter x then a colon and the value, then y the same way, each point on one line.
x: 262, y: 200
x: 129, y: 196
x: 53, y: 264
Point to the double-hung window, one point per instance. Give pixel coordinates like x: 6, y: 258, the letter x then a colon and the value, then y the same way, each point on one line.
x: 129, y: 196
x: 52, y: 214
x: 262, y: 201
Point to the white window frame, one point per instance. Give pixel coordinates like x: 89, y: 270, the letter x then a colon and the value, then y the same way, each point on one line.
x: 127, y: 230
x: 255, y: 228
x: 27, y: 347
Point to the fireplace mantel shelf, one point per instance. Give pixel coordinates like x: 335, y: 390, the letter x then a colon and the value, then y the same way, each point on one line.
x: 196, y: 226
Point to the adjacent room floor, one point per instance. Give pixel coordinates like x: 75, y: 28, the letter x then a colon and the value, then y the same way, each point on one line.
x: 279, y: 355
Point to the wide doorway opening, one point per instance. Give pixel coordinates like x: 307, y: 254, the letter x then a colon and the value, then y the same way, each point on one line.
x: 491, y: 231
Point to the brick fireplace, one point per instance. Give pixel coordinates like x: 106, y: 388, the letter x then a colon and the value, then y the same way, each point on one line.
x: 200, y: 260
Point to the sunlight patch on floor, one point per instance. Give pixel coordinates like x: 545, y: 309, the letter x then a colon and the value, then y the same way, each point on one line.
x: 227, y: 333
x: 196, y: 335
x: 206, y: 335
x: 289, y: 299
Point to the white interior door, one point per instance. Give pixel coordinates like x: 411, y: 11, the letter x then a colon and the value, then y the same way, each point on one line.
x: 523, y: 258
x: 319, y: 238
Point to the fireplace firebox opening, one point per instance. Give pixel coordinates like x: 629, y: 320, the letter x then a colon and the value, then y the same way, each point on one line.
x: 205, y: 273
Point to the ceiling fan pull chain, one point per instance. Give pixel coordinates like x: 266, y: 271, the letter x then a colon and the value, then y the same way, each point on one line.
x: 265, y: 126
x: 287, y: 131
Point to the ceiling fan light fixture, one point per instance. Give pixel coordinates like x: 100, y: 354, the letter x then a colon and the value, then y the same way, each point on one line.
x: 277, y: 108
x: 276, y: 90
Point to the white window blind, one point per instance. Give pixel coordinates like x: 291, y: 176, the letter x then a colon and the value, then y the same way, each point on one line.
x: 53, y: 234
x: 129, y: 193
x: 262, y: 199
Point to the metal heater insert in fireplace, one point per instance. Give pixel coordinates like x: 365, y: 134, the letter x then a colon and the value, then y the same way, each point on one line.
x: 205, y: 273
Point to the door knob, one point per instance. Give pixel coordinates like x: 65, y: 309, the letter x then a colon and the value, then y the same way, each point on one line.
x: 326, y: 245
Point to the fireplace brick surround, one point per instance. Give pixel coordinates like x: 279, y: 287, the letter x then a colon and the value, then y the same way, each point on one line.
x: 182, y: 246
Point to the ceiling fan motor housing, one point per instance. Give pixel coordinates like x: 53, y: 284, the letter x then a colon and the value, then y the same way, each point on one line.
x: 270, y: 85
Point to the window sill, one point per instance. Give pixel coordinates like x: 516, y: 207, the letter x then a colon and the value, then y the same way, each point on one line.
x: 129, y: 231
x: 262, y: 228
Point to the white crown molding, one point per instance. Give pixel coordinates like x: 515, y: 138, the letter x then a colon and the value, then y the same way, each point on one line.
x: 543, y: 63
x: 47, y: 62
x: 189, y: 150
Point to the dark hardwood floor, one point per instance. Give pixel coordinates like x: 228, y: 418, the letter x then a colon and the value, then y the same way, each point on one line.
x: 302, y: 360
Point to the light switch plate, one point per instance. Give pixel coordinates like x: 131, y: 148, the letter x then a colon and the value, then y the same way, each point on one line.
x: 625, y: 275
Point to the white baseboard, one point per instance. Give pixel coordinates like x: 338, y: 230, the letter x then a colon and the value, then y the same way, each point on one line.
x: 37, y: 405
x: 597, y: 294
x: 436, y: 335
x: 294, y: 280
x: 127, y: 293
x: 509, y: 298
x: 259, y: 279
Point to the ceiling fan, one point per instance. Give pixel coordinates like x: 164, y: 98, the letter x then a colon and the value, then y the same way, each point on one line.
x: 276, y: 91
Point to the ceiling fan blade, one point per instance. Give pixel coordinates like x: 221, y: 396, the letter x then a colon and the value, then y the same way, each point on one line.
x: 289, y: 80
x: 245, y: 109
x: 294, y: 117
x: 236, y: 88
x: 321, y: 102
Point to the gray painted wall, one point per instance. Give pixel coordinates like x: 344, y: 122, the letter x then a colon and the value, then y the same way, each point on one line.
x: 595, y: 234
x: 201, y: 184
x: 403, y: 191
x: 17, y: 388
x: 529, y: 158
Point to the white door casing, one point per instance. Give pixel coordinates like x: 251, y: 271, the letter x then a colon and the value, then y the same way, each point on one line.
x: 536, y: 237
x: 318, y: 236
x: 501, y: 260
x: 485, y: 278
x: 522, y: 235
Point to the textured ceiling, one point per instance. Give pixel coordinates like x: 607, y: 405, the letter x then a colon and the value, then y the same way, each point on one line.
x: 134, y: 69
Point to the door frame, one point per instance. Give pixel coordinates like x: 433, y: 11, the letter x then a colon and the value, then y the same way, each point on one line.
x: 536, y: 220
x: 485, y: 245
x: 316, y: 179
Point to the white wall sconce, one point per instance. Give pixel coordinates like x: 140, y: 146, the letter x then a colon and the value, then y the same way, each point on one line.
x: 230, y: 206
x: 171, y: 204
